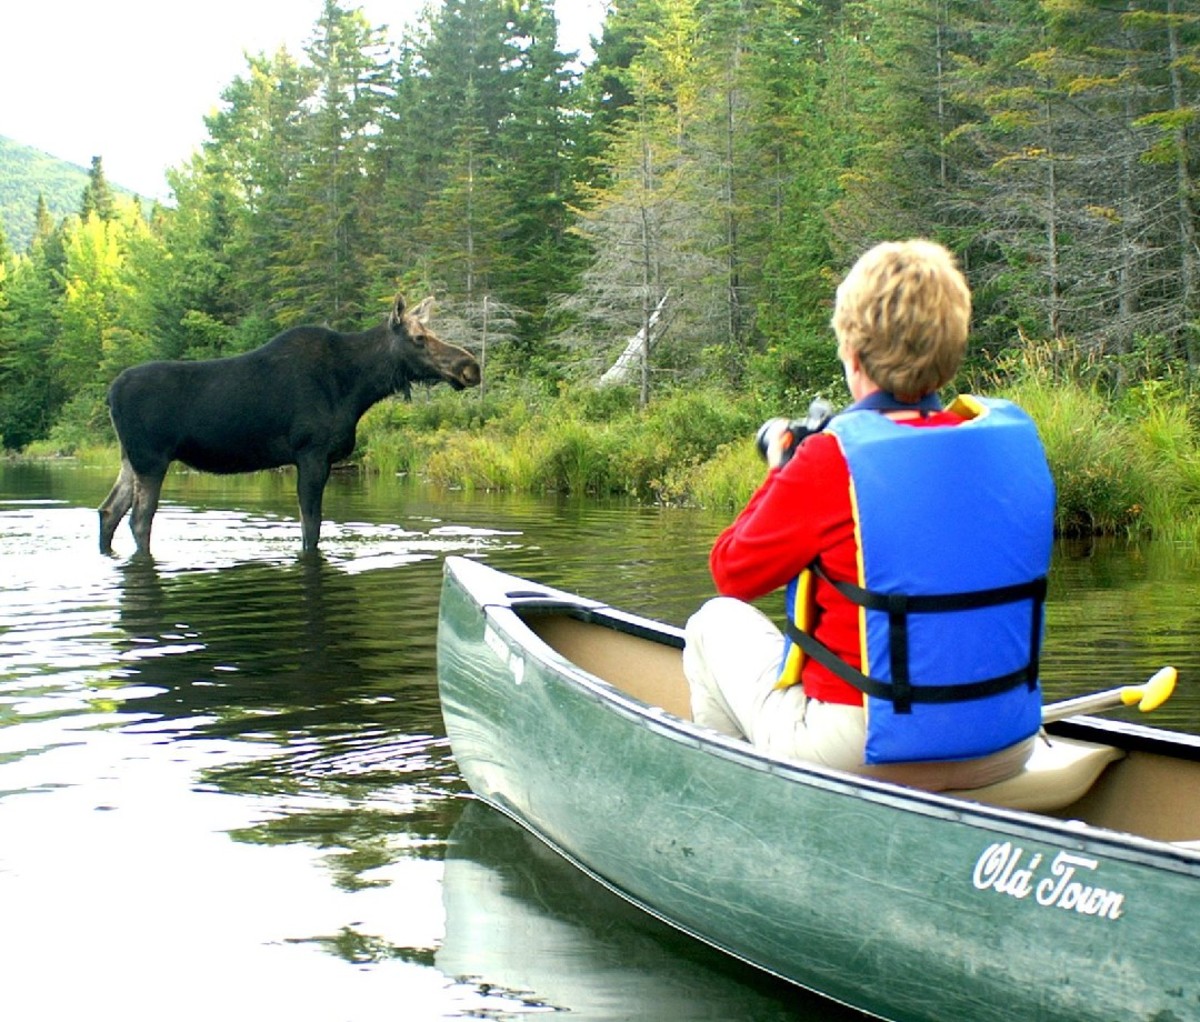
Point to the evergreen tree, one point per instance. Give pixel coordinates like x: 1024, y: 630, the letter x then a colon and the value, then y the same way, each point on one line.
x: 43, y: 222
x: 256, y: 152
x: 703, y: 184
x: 97, y: 199
x: 463, y: 225
x: 804, y: 86
x: 482, y: 115
x: 30, y: 397
x: 536, y: 146
x: 633, y: 225
x: 1172, y: 32
x: 187, y: 271
x: 321, y: 270
x: 1081, y: 228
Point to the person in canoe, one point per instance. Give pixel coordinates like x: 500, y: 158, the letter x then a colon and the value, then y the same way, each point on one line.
x: 912, y: 542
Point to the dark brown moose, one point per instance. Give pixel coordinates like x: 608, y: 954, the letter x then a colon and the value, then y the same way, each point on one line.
x: 294, y: 401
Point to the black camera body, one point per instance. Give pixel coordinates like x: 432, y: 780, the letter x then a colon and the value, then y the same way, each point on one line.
x: 819, y: 414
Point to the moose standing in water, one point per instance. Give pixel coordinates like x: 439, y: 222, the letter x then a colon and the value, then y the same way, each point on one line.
x: 294, y: 401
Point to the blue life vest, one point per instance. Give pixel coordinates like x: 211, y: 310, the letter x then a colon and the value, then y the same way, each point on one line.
x: 955, y: 528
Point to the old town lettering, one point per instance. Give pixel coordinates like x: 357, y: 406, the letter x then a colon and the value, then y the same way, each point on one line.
x: 1065, y: 884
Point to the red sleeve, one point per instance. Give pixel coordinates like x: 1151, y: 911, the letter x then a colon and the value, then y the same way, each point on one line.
x: 799, y: 511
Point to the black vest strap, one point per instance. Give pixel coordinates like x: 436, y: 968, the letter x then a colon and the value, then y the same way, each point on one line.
x: 900, y: 691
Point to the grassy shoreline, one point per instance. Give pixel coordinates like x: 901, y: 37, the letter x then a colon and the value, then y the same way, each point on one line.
x: 1130, y: 468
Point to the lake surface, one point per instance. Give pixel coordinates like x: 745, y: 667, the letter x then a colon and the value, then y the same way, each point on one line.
x: 225, y: 789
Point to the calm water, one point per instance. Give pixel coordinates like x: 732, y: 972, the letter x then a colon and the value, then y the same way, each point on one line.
x: 224, y: 784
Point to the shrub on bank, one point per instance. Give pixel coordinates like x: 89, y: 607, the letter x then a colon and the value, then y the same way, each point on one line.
x: 584, y: 441
x: 1129, y: 468
x: 1099, y: 479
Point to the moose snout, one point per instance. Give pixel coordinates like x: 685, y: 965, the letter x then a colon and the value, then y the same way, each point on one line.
x: 457, y: 366
x: 469, y: 373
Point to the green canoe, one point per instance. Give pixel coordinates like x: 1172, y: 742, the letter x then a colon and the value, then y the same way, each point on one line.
x: 1070, y: 893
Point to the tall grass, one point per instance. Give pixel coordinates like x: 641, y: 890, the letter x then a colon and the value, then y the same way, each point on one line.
x: 1128, y: 467
x: 580, y: 442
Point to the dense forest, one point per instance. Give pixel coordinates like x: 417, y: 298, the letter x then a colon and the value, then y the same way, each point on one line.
x: 701, y: 185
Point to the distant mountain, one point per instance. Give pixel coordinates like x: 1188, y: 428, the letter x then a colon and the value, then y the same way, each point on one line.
x: 24, y: 172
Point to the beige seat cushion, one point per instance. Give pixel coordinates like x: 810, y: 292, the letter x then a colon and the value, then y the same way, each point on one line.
x: 1060, y: 771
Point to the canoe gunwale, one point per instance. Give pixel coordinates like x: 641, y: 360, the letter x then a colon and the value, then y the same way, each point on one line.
x: 507, y: 615
x: 1129, y: 736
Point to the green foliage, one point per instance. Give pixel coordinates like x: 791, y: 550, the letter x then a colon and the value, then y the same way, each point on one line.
x: 1125, y: 467
x: 787, y: 376
x: 602, y: 404
x: 30, y: 394
x: 1129, y: 468
x: 1099, y: 487
x: 695, y: 423
x: 1169, y: 448
x: 82, y: 421
x: 729, y: 478
x: 558, y: 445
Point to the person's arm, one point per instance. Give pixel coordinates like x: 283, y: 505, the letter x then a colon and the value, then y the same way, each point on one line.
x: 798, y: 511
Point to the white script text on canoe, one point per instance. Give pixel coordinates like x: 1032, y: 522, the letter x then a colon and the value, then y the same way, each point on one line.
x: 1065, y: 884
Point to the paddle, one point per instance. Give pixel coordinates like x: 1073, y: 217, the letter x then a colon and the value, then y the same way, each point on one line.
x: 1147, y: 696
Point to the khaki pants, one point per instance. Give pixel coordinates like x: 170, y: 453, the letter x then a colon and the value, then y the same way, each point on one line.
x: 731, y: 658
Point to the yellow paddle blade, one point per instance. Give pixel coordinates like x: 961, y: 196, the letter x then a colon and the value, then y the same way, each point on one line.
x: 1153, y: 693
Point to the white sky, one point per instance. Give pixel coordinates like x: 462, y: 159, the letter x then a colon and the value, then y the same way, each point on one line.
x: 131, y: 80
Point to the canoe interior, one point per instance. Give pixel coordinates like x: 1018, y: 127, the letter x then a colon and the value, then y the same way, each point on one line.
x: 1153, y: 791
x: 642, y: 667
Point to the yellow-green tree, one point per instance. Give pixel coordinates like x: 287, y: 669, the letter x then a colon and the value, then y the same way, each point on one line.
x: 104, y: 316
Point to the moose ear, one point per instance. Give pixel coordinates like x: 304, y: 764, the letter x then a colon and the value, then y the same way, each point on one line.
x: 423, y: 311
x: 396, y: 317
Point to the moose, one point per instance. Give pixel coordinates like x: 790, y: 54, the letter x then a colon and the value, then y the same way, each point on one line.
x: 294, y: 401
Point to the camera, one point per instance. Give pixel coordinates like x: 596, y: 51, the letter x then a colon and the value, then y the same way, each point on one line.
x: 819, y: 414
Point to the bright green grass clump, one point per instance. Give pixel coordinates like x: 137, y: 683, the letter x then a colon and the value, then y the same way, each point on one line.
x: 1128, y: 469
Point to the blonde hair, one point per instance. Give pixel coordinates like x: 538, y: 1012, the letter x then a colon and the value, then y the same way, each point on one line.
x: 905, y: 310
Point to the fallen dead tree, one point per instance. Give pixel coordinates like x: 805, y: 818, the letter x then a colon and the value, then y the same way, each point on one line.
x: 637, y: 349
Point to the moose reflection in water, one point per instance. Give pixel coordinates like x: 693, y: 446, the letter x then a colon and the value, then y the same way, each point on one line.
x: 256, y: 649
x: 294, y: 401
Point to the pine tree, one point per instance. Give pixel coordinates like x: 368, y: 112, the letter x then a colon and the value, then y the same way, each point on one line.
x: 1076, y: 193
x: 636, y: 226
x: 463, y: 225
x: 795, y: 87
x: 1172, y: 32
x: 30, y: 396
x: 43, y: 223
x: 256, y: 151
x: 535, y: 145
x: 97, y: 199
x: 321, y: 270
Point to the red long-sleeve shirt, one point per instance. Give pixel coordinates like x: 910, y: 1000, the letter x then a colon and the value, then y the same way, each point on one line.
x: 801, y: 514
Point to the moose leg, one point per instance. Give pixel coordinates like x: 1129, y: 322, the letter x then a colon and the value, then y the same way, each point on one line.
x: 312, y: 473
x: 115, y: 505
x: 146, y: 489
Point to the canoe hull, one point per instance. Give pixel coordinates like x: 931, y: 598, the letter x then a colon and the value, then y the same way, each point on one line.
x: 905, y: 905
